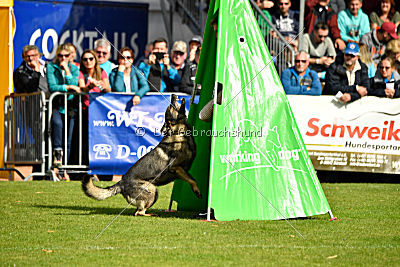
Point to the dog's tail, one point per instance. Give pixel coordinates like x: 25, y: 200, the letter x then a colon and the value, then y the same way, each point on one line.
x: 99, y: 193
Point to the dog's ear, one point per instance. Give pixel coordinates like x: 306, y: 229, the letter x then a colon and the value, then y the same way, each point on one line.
x: 182, y: 109
x: 174, y: 101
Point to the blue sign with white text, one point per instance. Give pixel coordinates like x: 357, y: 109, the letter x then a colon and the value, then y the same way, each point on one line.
x: 48, y: 24
x: 119, y: 133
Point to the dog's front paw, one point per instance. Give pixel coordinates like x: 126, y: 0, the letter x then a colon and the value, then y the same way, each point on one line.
x: 198, y: 194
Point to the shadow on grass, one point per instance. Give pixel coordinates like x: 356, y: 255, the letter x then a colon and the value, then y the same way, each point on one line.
x: 115, y: 211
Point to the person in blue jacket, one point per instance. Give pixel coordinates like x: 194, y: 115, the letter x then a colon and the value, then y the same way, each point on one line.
x: 160, y: 73
x: 300, y: 80
x: 128, y: 79
x: 62, y: 76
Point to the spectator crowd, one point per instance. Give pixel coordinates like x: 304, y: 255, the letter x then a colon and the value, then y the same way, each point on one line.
x: 350, y: 49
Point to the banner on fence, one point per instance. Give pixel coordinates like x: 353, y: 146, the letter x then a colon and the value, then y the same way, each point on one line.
x: 362, y: 136
x: 48, y: 24
x: 120, y: 134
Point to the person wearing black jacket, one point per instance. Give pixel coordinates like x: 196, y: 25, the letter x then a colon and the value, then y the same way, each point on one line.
x: 30, y: 76
x: 386, y: 82
x: 347, y: 77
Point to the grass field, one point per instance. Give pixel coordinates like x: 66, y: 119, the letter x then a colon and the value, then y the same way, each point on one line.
x: 46, y: 223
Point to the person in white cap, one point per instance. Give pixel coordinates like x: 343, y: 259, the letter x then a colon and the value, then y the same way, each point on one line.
x: 347, y: 78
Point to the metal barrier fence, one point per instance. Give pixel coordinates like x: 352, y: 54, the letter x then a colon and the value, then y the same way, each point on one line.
x: 77, y: 117
x: 281, y: 52
x: 24, y: 118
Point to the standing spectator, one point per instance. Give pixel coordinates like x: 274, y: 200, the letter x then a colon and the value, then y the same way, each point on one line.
x: 62, y: 76
x: 319, y: 11
x: 103, y: 50
x: 286, y: 22
x: 300, y: 80
x: 347, y: 77
x: 72, y: 49
x: 178, y: 57
x: 194, y: 43
x: 188, y: 80
x: 320, y: 48
x: 92, y: 79
x: 338, y: 5
x: 393, y: 51
x: 127, y: 79
x: 353, y: 22
x: 376, y: 40
x: 366, y: 58
x: 386, y: 13
x: 158, y: 70
x: 147, y: 52
x: 386, y: 82
x: 30, y: 76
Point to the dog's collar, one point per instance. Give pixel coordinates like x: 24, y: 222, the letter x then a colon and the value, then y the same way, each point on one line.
x: 179, y: 138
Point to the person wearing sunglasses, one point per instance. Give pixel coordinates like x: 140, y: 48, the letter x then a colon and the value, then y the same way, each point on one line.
x: 127, y: 78
x: 62, y: 76
x: 92, y: 79
x: 102, y: 48
x: 321, y: 49
x: 347, y: 78
x: 300, y: 80
x: 386, y: 82
x: 30, y: 76
x: 322, y: 11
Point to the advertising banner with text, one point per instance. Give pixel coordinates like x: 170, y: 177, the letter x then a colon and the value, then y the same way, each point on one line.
x: 362, y: 136
x: 48, y: 24
x: 120, y: 134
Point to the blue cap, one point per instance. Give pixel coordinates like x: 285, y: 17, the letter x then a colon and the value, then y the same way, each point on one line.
x: 352, y: 48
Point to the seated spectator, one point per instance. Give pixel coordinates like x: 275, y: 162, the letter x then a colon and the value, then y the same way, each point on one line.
x: 286, y: 22
x: 318, y: 11
x: 103, y: 50
x: 386, y: 82
x: 393, y: 51
x: 376, y: 40
x: 72, y: 50
x: 386, y: 13
x: 338, y: 5
x: 194, y: 43
x: 320, y: 48
x: 127, y: 79
x: 62, y: 76
x: 265, y: 6
x: 158, y: 70
x: 30, y: 76
x: 366, y: 58
x: 353, y: 22
x: 300, y: 80
x: 347, y: 77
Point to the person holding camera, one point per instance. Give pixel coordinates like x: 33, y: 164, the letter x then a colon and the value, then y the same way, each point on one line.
x: 160, y: 73
x: 321, y: 49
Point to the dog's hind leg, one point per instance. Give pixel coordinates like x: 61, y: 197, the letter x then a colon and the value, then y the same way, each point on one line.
x: 182, y: 174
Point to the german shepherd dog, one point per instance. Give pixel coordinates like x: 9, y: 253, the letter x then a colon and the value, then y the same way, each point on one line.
x: 169, y: 160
